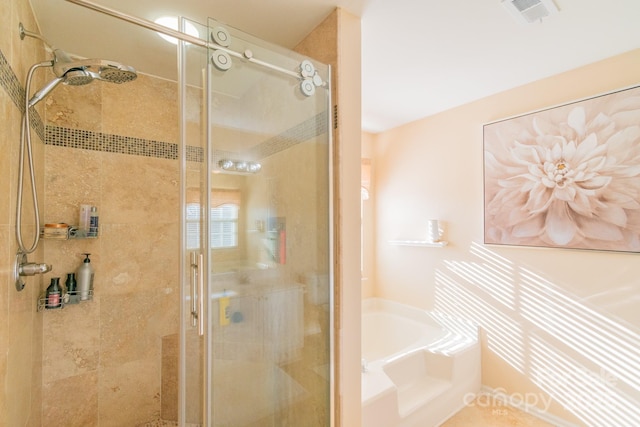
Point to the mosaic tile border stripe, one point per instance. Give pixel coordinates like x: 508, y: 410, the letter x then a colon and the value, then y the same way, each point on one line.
x: 108, y: 143
x: 304, y: 131
x: 97, y: 141
x: 195, y: 154
x: 11, y: 84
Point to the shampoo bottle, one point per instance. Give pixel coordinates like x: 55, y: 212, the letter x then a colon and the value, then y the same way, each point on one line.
x: 84, y: 279
x: 54, y: 294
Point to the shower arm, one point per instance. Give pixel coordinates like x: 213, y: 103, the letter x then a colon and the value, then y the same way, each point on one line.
x: 26, y: 33
x: 181, y: 36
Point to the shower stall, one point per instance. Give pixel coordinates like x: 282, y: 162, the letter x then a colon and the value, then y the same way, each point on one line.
x: 256, y: 241
x: 219, y: 311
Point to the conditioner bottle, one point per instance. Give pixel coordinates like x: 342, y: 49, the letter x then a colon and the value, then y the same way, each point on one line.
x: 84, y: 279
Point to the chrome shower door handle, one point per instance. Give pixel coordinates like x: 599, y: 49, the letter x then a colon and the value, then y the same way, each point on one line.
x: 194, y: 288
x: 201, y: 294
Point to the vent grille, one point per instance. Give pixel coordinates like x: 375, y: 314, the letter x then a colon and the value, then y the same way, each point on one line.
x: 523, y: 5
x: 529, y: 11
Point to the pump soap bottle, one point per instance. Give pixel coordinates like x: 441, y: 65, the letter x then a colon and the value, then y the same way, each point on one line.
x: 84, y: 279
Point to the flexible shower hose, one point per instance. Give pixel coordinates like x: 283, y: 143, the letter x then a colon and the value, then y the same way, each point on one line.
x: 25, y: 140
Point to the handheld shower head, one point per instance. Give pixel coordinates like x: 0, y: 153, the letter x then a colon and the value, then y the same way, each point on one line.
x: 71, y: 78
x: 78, y: 77
x: 39, y: 95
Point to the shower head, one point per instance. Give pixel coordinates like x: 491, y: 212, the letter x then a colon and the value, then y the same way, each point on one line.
x: 100, y: 69
x: 82, y: 72
x: 114, y: 72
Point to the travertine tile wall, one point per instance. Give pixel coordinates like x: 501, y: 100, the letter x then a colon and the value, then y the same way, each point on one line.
x: 20, y: 325
x: 102, y: 359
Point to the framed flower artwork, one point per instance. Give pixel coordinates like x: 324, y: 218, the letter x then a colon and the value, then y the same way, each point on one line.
x: 566, y: 176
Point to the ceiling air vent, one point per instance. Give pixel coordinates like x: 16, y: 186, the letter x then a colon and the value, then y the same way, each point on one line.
x: 529, y: 11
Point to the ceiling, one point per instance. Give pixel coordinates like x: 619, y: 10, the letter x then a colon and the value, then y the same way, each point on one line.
x: 419, y: 57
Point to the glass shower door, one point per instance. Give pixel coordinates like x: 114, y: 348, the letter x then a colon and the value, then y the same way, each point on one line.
x: 194, y: 178
x: 267, y: 345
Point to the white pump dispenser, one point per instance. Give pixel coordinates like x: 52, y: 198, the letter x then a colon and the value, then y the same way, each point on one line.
x: 84, y: 279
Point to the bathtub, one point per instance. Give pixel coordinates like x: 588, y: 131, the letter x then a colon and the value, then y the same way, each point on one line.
x: 418, y: 367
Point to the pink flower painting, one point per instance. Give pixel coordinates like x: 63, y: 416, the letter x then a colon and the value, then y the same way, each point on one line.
x: 566, y: 177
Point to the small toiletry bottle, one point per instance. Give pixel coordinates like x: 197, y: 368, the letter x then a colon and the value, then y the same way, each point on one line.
x: 84, y: 278
x: 83, y: 223
x: 93, y: 222
x: 54, y: 294
x: 71, y: 285
x: 223, y: 306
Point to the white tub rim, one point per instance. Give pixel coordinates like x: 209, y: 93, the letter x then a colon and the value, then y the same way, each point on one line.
x: 463, y: 335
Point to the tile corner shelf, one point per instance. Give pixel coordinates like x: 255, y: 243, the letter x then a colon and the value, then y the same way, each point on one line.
x: 422, y: 243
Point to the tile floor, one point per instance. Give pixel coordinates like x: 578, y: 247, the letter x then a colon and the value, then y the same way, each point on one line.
x: 474, y: 415
x: 495, y: 415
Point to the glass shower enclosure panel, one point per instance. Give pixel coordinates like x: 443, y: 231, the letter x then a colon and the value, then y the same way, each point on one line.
x: 192, y: 73
x: 267, y: 252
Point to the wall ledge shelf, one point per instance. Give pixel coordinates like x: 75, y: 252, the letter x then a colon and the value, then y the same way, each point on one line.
x: 421, y: 243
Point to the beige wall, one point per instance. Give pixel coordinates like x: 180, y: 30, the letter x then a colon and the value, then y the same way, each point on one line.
x: 20, y: 325
x: 347, y: 256
x: 558, y: 322
x: 369, y: 221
